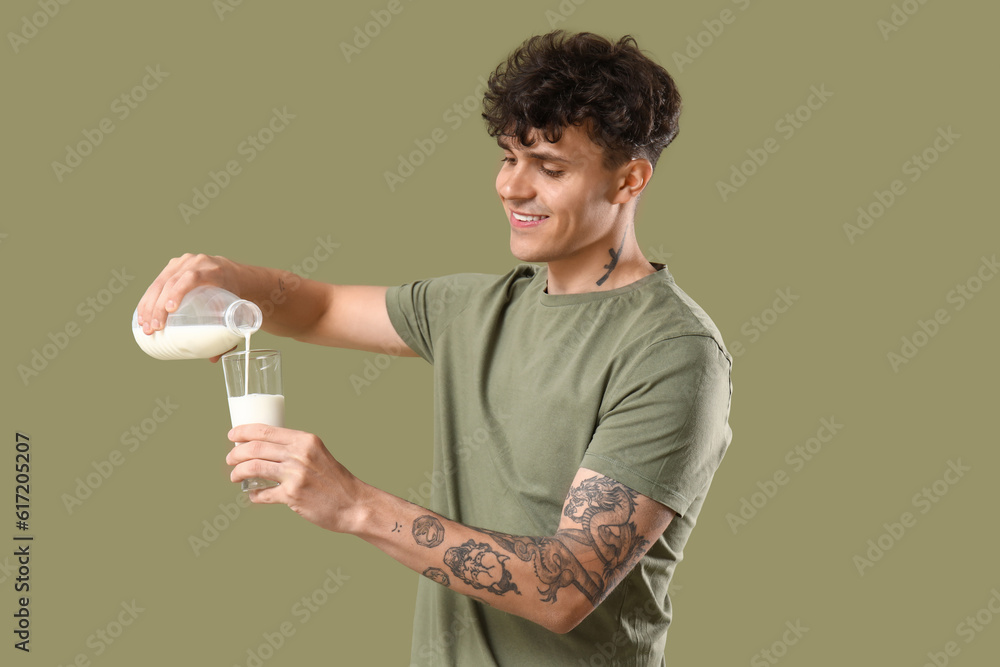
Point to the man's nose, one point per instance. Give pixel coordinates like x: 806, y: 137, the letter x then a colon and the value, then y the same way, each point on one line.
x: 516, y: 183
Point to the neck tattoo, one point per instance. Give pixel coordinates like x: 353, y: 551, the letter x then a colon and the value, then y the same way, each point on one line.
x: 610, y: 266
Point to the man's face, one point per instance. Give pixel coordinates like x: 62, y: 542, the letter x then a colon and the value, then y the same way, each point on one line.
x: 559, y: 198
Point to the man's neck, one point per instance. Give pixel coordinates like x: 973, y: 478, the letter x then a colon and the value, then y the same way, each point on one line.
x: 624, y: 265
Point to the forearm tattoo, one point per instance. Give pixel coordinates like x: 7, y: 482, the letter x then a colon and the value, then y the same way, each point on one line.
x: 428, y: 531
x: 478, y: 565
x: 555, y: 565
x: 438, y: 575
x: 602, y: 508
x: 475, y: 563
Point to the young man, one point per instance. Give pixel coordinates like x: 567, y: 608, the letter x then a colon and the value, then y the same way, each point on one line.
x: 581, y: 408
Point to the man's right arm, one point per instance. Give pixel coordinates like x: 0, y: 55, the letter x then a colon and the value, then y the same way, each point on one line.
x: 347, y: 316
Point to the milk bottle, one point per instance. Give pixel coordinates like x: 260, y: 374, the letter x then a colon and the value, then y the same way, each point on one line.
x: 208, y: 322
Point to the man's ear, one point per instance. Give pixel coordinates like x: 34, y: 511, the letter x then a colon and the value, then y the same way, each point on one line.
x: 632, y: 178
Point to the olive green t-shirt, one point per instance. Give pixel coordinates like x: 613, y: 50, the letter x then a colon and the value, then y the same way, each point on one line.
x: 633, y: 383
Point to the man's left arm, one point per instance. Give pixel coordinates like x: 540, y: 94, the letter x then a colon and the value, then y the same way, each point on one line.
x: 554, y: 580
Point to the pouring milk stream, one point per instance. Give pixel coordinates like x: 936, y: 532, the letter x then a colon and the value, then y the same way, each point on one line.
x: 209, y: 322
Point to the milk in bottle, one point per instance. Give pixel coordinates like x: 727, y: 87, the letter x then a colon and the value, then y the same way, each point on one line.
x: 208, y: 322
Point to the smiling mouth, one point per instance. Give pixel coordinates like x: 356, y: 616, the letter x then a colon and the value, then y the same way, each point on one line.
x: 527, y: 218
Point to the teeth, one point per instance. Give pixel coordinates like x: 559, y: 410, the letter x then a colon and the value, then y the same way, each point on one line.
x: 529, y: 218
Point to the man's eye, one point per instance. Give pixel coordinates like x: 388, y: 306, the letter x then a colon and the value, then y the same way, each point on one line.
x: 548, y: 172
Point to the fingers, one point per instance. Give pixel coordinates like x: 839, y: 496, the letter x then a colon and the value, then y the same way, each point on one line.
x: 256, y: 469
x: 151, y: 316
x: 179, y: 277
x: 256, y: 450
x: 260, y: 460
x: 270, y: 496
x: 264, y: 433
x: 187, y: 276
x: 273, y: 444
x: 300, y: 463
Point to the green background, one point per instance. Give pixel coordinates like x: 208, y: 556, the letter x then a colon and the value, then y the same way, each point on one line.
x: 323, y: 177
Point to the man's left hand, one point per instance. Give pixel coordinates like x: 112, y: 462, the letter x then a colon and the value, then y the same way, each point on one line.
x: 312, y: 482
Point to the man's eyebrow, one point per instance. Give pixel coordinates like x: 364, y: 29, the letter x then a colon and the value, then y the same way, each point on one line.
x: 543, y: 155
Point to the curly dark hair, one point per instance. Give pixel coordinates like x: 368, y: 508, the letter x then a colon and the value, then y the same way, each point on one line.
x: 628, y: 103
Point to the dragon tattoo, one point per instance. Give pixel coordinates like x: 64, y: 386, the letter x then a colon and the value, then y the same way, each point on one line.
x: 603, y: 508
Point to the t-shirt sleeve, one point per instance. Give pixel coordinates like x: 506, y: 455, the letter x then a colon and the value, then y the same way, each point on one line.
x: 664, y: 427
x: 421, y: 311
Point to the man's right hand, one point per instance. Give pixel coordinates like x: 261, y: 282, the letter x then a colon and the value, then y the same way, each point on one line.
x: 347, y: 316
x: 180, y: 276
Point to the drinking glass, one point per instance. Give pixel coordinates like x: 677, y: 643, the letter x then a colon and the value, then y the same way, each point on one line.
x: 253, y: 385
